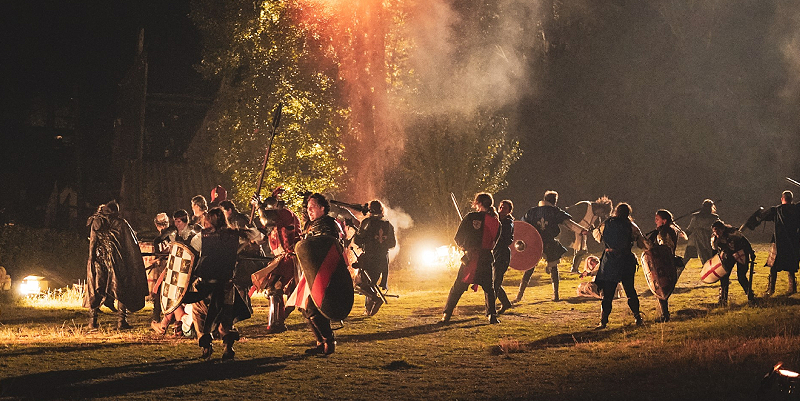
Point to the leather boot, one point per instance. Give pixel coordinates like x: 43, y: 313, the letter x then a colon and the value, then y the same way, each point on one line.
x: 122, y: 323
x: 603, y: 319
x: 205, y: 343
x: 554, y: 277
x: 93, y: 319
x: 275, y: 320
x: 773, y: 277
x: 317, y: 336
x: 229, y: 339
x: 792, y: 284
x: 526, y: 277
x: 723, y: 295
x: 323, y: 326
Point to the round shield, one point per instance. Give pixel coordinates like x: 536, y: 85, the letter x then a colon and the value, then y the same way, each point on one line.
x: 526, y: 250
x: 658, y: 266
x: 177, y: 278
x: 326, y: 272
x: 713, y: 270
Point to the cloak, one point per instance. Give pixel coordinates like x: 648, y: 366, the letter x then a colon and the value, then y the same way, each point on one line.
x: 115, y: 269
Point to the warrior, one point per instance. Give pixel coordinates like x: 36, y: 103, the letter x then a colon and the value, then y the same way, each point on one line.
x: 545, y: 218
x: 115, y: 270
x: 199, y: 209
x: 166, y: 234
x: 502, y: 253
x: 477, y: 236
x: 786, y: 240
x: 283, y: 234
x: 375, y: 236
x: 699, y: 232
x: 185, y: 235
x: 618, y: 234
x: 593, y: 214
x: 666, y: 234
x: 733, y: 248
x: 220, y: 305
x: 319, y: 224
x: 218, y: 195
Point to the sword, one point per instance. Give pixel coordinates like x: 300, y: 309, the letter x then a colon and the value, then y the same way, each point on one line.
x: 693, y: 211
x: 791, y: 181
x: 276, y: 119
x: 455, y: 203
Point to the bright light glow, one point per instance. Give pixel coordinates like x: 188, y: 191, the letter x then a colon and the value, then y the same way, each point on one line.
x: 788, y: 373
x: 31, y: 285
x: 445, y: 257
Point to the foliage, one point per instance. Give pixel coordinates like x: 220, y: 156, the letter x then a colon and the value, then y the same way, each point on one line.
x: 60, y: 254
x: 453, y: 153
x: 262, y: 55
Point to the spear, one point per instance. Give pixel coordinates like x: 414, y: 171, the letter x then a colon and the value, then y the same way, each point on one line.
x: 455, y: 203
x: 276, y: 119
x: 795, y: 182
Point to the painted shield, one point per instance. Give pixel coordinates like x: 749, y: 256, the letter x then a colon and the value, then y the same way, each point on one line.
x: 326, y: 273
x: 177, y: 276
x: 658, y: 266
x: 526, y: 250
x: 713, y: 270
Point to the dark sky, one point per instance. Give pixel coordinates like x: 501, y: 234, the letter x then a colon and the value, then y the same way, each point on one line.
x: 661, y: 107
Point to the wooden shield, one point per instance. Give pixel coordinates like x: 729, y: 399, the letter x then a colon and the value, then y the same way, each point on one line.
x: 526, y: 250
x: 328, y: 278
x: 177, y: 276
x: 713, y: 270
x: 658, y: 266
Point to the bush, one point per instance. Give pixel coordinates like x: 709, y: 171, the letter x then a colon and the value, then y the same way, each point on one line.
x: 58, y: 255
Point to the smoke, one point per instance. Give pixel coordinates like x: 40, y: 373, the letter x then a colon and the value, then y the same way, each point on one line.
x: 471, y: 56
x: 401, y: 221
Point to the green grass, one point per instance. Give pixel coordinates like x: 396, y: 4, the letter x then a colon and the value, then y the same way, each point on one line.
x: 542, y: 350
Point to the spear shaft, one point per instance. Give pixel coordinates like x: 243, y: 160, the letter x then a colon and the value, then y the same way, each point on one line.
x: 276, y: 119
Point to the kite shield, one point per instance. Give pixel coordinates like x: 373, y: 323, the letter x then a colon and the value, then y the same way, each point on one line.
x: 327, y: 275
x: 177, y: 278
x: 658, y: 266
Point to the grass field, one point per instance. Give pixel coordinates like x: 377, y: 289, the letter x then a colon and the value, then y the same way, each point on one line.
x: 542, y: 350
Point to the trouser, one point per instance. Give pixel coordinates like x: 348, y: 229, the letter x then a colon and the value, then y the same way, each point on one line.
x: 664, y: 306
x: 319, y: 324
x: 526, y: 277
x: 577, y: 259
x: 213, y: 312
x: 156, y: 315
x: 609, y: 288
x: 741, y: 276
x: 498, y: 273
x: 459, y: 287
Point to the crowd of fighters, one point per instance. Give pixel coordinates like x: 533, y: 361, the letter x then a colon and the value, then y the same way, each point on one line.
x: 486, y: 235
x: 236, y: 255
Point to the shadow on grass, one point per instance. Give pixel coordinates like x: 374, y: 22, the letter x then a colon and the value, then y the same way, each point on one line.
x: 134, y: 378
x: 40, y: 350
x: 411, y: 331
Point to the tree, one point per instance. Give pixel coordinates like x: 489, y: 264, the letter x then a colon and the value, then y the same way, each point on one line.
x: 263, y: 54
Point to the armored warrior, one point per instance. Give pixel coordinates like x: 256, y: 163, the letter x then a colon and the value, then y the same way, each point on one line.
x: 477, y: 236
x: 319, y: 224
x: 199, y: 209
x: 699, y: 232
x: 545, y: 218
x: 375, y: 236
x: 283, y: 228
x: 220, y: 304
x: 502, y: 253
x: 592, y: 214
x: 733, y: 249
x: 618, y: 234
x: 666, y: 234
x: 786, y: 240
x: 166, y: 234
x: 115, y: 270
